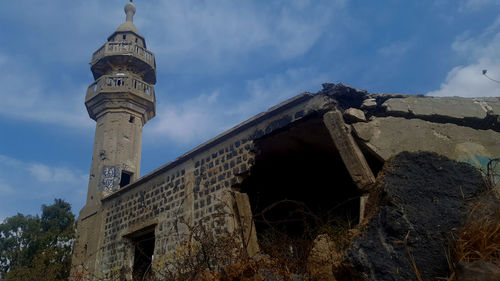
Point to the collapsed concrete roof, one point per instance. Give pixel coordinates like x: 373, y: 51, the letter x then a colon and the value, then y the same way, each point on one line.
x: 385, y: 123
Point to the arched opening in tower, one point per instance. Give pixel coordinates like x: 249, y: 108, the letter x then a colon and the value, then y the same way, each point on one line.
x: 299, y: 188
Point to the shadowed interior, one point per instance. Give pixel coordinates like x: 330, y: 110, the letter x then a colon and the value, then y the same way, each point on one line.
x: 299, y: 186
x: 143, y: 255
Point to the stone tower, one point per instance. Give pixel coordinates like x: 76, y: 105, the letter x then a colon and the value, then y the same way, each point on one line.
x: 121, y: 101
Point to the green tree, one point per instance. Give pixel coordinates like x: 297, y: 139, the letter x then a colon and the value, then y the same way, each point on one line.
x: 38, y: 248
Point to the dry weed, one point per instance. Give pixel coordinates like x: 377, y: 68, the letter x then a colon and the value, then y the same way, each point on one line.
x: 479, y: 240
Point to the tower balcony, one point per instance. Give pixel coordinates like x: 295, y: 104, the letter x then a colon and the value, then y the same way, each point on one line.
x: 112, y: 55
x: 115, y: 92
x: 120, y: 83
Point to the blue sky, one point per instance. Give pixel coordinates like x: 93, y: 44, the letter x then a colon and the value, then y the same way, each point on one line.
x: 219, y: 63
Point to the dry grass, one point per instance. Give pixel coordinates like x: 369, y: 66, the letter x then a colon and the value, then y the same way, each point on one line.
x: 479, y: 240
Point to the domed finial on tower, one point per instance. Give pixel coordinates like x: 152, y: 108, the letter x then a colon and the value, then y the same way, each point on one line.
x: 130, y: 11
x: 128, y: 25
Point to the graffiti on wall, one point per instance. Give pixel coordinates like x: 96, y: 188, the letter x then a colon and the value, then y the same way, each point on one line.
x: 110, y: 178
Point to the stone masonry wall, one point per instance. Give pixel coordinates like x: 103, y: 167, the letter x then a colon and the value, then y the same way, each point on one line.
x: 193, y: 189
x: 186, y: 194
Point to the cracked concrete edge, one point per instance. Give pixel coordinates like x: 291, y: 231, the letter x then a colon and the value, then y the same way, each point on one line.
x: 388, y: 136
x: 452, y: 107
x: 481, y: 113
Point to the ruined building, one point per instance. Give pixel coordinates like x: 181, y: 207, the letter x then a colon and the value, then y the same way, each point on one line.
x: 323, y: 149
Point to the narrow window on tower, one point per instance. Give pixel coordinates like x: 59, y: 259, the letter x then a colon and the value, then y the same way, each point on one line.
x: 125, y: 179
x: 132, y: 119
x: 124, y: 36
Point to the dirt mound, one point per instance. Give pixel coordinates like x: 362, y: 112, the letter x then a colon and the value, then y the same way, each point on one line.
x: 420, y: 198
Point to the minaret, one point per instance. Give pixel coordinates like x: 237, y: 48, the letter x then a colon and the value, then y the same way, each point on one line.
x: 121, y: 100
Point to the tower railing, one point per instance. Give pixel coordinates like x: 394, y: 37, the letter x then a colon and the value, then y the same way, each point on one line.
x: 120, y: 83
x: 119, y: 48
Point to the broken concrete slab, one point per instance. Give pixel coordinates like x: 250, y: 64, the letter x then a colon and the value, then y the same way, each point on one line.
x: 349, y: 151
x: 388, y: 136
x: 452, y: 107
x: 249, y: 234
x: 344, y: 96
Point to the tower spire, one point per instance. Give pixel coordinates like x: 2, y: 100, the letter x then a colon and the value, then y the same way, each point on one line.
x: 128, y: 24
x: 121, y: 100
x: 130, y: 11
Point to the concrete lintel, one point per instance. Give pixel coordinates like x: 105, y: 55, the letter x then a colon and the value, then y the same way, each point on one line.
x: 247, y: 225
x: 349, y: 151
x: 141, y: 229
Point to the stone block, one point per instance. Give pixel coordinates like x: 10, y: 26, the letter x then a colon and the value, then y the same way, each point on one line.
x: 354, y: 115
x: 322, y: 259
x: 369, y: 103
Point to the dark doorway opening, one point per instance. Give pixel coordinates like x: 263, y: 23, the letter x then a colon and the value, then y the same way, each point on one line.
x: 299, y: 188
x: 144, y: 244
x: 125, y: 179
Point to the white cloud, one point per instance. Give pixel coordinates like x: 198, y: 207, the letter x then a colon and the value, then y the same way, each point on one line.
x: 210, y: 33
x: 187, y: 121
x: 270, y: 90
x: 41, y: 172
x: 484, y: 45
x: 32, y: 183
x: 187, y: 35
x: 44, y: 173
x: 478, y: 53
x: 467, y: 81
x: 9, y: 161
x: 199, y: 119
x: 4, y: 187
x: 61, y: 31
x: 26, y: 96
x: 216, y: 34
x: 474, y: 5
x: 397, y: 48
